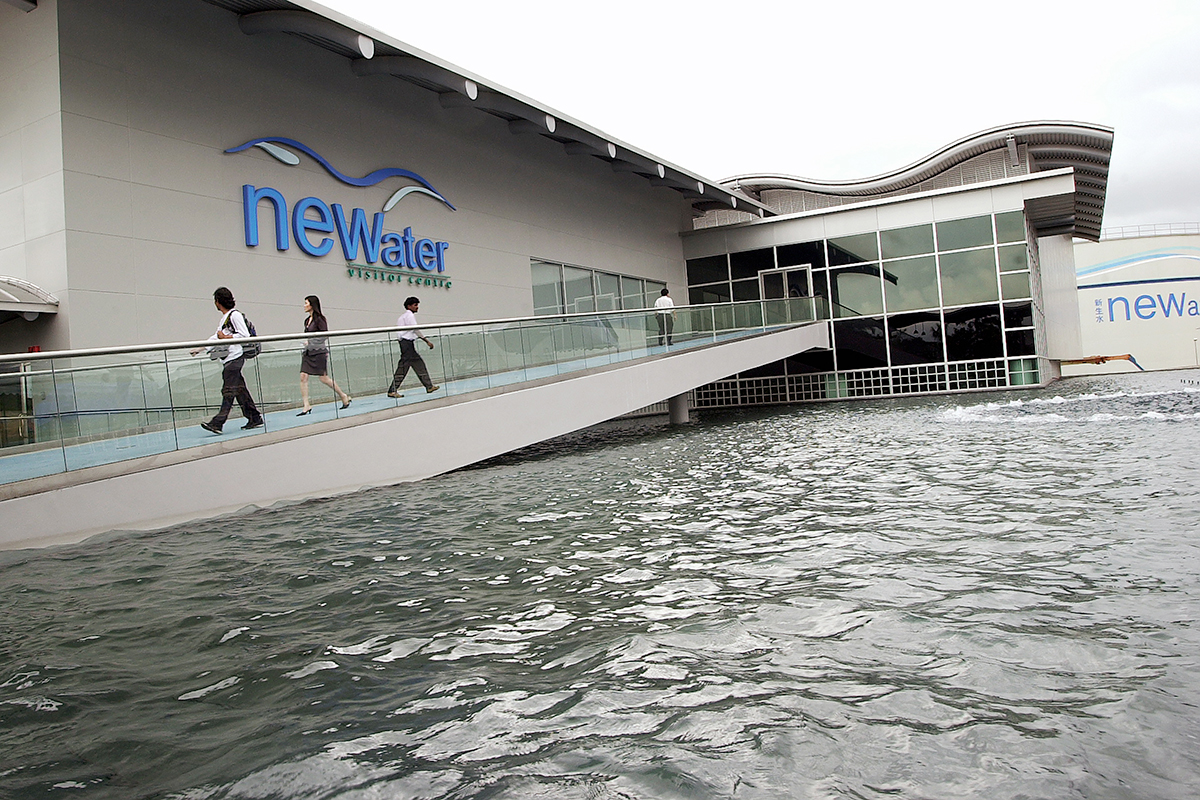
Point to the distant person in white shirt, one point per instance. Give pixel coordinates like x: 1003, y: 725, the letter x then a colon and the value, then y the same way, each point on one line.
x: 408, y: 351
x: 666, y: 316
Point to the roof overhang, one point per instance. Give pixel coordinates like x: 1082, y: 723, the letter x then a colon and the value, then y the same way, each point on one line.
x: 372, y: 53
x: 20, y: 298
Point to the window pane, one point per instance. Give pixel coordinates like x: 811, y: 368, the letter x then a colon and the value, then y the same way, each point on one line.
x: 707, y: 270
x: 1018, y: 315
x: 856, y: 291
x: 852, y: 249
x: 1021, y: 343
x: 713, y: 293
x: 547, y: 287
x: 914, y: 241
x: 1010, y: 226
x: 1013, y: 257
x: 653, y: 292
x: 578, y: 290
x: 968, y: 277
x: 916, y: 338
x: 792, y: 255
x: 860, y: 343
x: 973, y: 333
x: 910, y: 284
x: 750, y: 263
x: 773, y: 286
x: 1015, y: 285
x: 746, y: 290
x: 810, y: 361
x: 960, y: 233
x: 632, y: 291
x: 608, y: 292
x: 820, y: 281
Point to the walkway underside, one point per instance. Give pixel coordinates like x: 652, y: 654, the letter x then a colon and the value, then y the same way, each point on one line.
x: 395, y: 446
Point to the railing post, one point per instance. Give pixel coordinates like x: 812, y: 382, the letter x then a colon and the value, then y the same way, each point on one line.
x: 677, y: 406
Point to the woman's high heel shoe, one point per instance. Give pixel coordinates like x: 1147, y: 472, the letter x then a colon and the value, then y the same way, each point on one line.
x: 346, y: 404
x: 302, y: 413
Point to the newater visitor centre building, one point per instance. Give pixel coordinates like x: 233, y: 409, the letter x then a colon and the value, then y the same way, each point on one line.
x: 151, y: 152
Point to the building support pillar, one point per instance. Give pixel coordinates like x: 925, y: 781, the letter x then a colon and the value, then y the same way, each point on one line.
x: 678, y: 408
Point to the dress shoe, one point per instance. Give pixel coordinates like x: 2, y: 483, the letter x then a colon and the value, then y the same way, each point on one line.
x: 255, y: 423
x: 395, y: 394
x: 210, y: 428
x: 432, y: 389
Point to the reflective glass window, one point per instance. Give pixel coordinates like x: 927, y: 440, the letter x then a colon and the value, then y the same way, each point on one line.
x: 1021, y: 343
x: 910, y: 284
x: 792, y: 255
x: 632, y: 293
x: 1013, y: 257
x: 707, y: 270
x: 1014, y: 285
x: 547, y: 287
x: 1018, y: 315
x: 856, y: 291
x: 653, y: 291
x: 973, y: 333
x: 608, y: 292
x: 820, y: 282
x: 810, y: 361
x: 713, y: 293
x: 961, y: 233
x: 860, y: 343
x: 746, y: 290
x: 750, y: 263
x: 916, y: 338
x: 1010, y: 226
x: 852, y: 249
x: 968, y: 277
x: 578, y: 293
x: 914, y: 241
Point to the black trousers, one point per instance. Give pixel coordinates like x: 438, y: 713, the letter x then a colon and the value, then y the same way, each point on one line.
x: 666, y: 325
x: 233, y: 388
x: 409, y: 357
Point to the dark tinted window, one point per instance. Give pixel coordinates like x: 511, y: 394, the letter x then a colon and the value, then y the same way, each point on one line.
x: 915, y: 338
x: 707, y: 270
x: 791, y: 255
x: 750, y: 263
x: 1021, y: 343
x: 1018, y: 315
x: 973, y: 333
x: 745, y: 290
x: 716, y: 293
x: 810, y: 361
x: 853, y: 249
x: 860, y: 343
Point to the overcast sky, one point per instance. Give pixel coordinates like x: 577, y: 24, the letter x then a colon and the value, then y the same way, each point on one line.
x: 842, y: 89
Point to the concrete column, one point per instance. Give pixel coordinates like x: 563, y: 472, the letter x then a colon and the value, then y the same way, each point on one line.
x: 678, y: 407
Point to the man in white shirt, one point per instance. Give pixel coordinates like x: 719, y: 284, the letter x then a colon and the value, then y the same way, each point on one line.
x: 409, y: 357
x: 233, y: 385
x: 666, y: 316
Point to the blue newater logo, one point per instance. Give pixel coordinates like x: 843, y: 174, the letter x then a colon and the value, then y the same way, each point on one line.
x: 312, y: 217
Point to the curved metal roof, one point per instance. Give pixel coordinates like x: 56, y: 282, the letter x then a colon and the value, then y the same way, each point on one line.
x: 22, y: 298
x: 1047, y: 145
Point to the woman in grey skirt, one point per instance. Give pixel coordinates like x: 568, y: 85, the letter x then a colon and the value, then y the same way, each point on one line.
x: 315, y: 360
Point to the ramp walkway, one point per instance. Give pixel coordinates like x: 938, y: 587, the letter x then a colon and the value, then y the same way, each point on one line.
x: 110, y: 439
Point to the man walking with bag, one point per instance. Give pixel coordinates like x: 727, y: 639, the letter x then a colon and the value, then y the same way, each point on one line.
x: 233, y: 385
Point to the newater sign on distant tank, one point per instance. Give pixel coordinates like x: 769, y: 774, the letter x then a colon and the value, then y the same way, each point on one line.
x: 314, y: 224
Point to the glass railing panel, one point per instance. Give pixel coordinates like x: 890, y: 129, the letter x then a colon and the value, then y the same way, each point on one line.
x: 31, y: 446
x: 748, y: 316
x: 363, y: 367
x: 541, y: 354
x: 464, y: 359
x: 504, y: 348
x: 112, y: 408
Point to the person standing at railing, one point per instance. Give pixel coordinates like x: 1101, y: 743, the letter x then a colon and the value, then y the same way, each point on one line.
x: 665, y: 312
x: 409, y: 357
x: 315, y: 360
x: 233, y: 385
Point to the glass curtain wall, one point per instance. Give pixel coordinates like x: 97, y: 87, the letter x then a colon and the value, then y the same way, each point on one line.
x: 933, y: 294
x: 566, y: 289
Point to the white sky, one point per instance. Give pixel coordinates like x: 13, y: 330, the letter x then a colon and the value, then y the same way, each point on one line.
x: 841, y: 89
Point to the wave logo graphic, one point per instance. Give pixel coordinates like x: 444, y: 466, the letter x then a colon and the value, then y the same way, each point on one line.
x: 278, y: 148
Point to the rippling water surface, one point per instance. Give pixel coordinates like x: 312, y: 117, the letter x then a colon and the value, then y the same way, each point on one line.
x: 972, y: 596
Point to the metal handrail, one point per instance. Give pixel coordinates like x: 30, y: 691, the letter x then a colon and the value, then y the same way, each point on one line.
x: 281, y: 337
